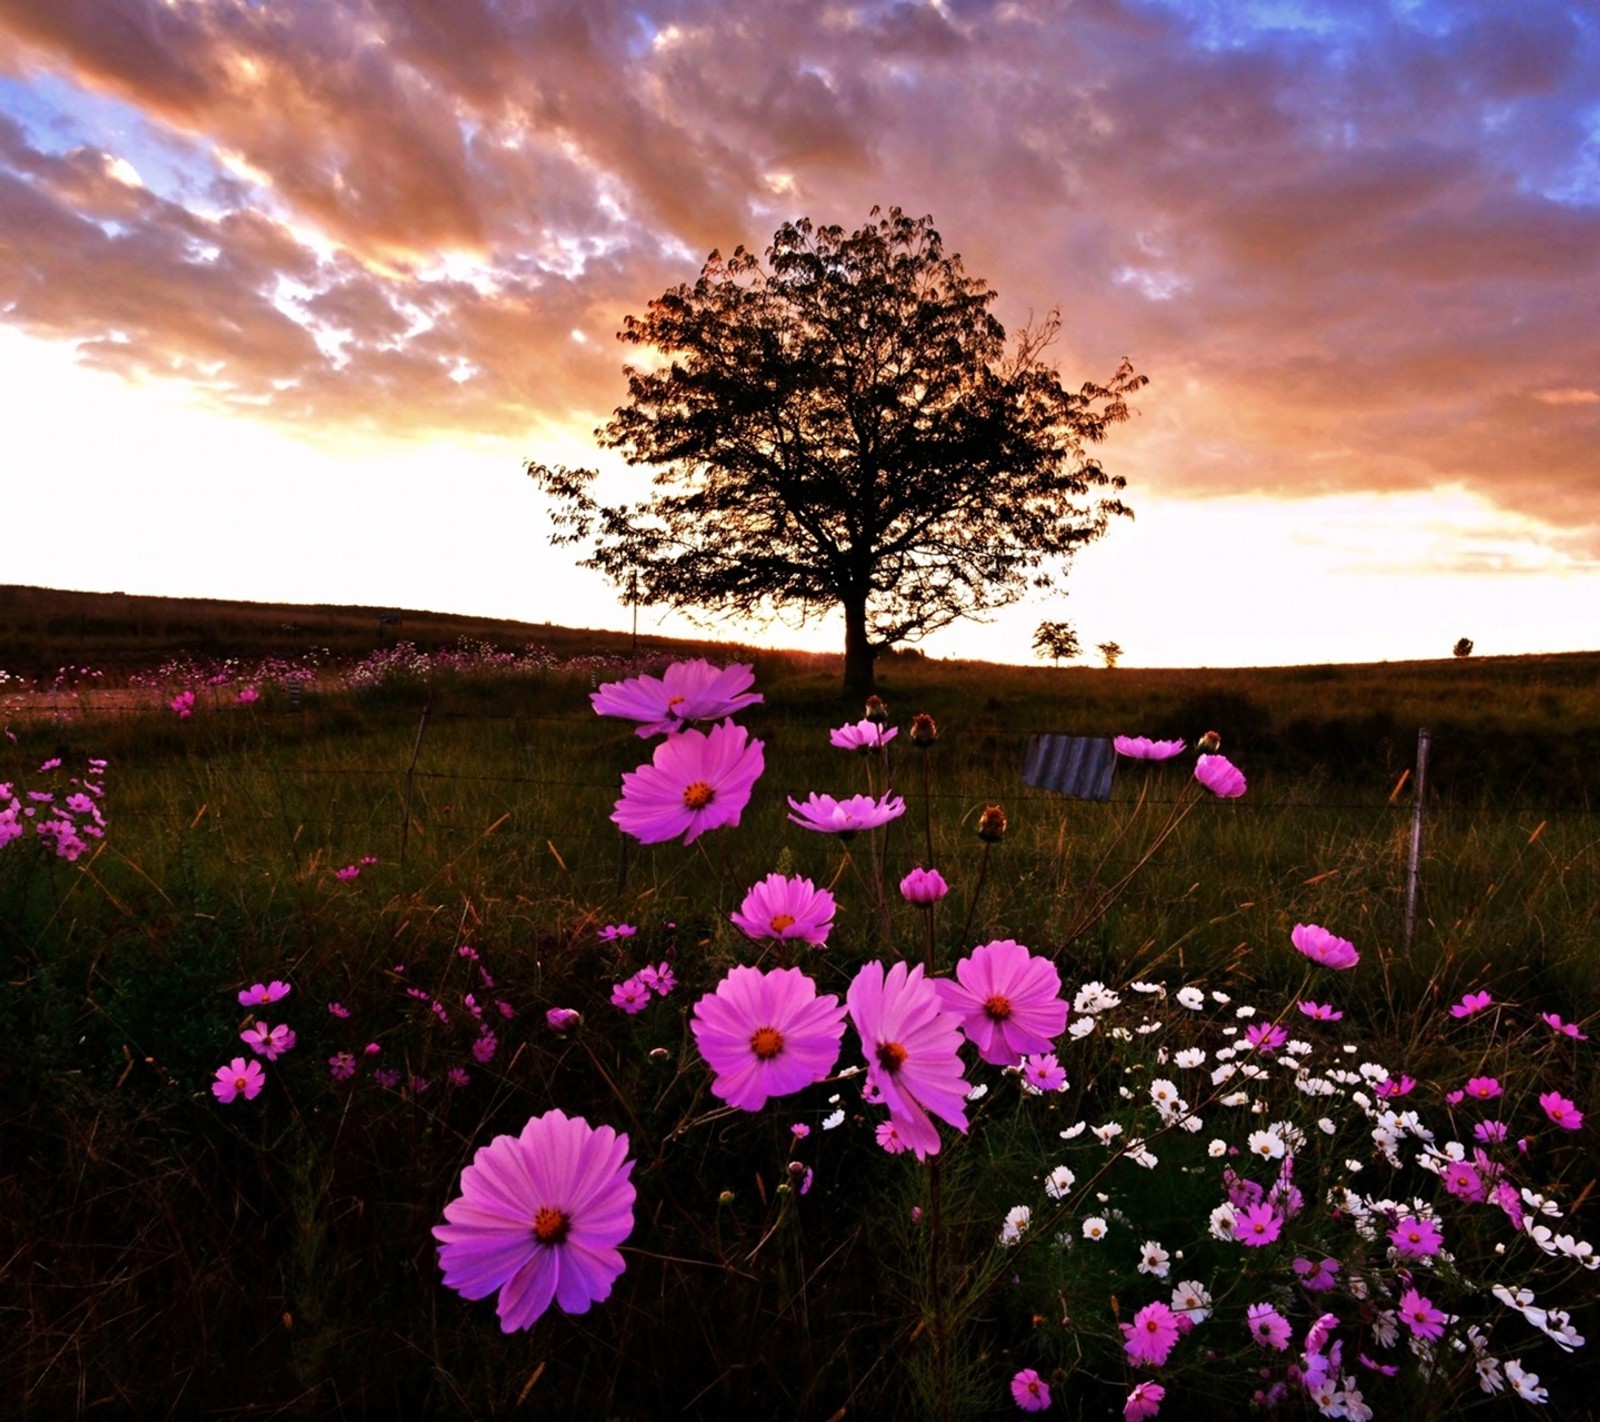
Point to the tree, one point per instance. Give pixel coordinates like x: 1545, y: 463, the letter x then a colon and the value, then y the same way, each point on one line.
x: 844, y: 425
x: 1112, y: 653
x: 1463, y: 648
x: 1056, y: 640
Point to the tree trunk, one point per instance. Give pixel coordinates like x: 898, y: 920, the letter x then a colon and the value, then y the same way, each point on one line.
x: 859, y: 654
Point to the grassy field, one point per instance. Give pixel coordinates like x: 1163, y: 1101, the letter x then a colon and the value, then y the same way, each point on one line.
x: 281, y: 1247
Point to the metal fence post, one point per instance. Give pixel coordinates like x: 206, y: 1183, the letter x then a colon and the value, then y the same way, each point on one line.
x: 405, y: 824
x: 1414, y: 863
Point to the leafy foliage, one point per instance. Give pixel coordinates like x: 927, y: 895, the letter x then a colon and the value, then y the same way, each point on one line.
x: 845, y: 426
x: 1056, y: 640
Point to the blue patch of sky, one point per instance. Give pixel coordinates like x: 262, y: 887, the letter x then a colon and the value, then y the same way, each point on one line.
x: 59, y: 116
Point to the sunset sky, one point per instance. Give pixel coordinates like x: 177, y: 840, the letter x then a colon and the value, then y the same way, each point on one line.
x: 289, y: 289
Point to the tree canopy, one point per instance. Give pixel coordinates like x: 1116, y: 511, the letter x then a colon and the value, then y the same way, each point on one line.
x: 845, y: 425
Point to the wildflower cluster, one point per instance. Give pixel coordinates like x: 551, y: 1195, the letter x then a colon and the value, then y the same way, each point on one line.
x: 64, y: 814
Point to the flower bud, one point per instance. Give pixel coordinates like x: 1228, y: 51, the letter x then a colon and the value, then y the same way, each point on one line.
x: 877, y: 710
x: 797, y: 1167
x: 725, y: 1198
x: 992, y: 824
x: 1209, y: 743
x: 923, y: 887
x: 563, y: 1019
x: 659, y: 1054
x: 924, y: 730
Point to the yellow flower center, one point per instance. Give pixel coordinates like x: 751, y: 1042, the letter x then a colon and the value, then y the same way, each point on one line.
x: 697, y: 795
x: 550, y: 1225
x: 998, y: 1008
x: 766, y: 1042
x: 782, y: 921
x: 891, y: 1056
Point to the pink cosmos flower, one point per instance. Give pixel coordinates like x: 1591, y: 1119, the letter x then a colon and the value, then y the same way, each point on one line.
x: 685, y: 692
x: 923, y: 887
x: 1416, y: 1236
x: 863, y: 736
x: 341, y: 1066
x: 1144, y: 1401
x: 183, y: 704
x: 484, y: 1048
x: 1220, y: 776
x: 539, y: 1218
x: 660, y: 979
x: 1488, y: 1132
x: 1391, y: 1086
x: 258, y: 994
x: 1322, y: 1011
x: 349, y: 872
x: 1007, y: 1000
x: 1461, y: 1179
x: 784, y: 908
x: 238, y: 1078
x: 1152, y: 1335
x: 888, y: 1137
x: 1420, y: 1316
x: 766, y: 1034
x: 1483, y: 1088
x: 1030, y: 1391
x: 562, y: 1019
x: 912, y: 1048
x: 247, y: 694
x: 338, y: 1009
x: 1317, y: 1277
x: 845, y: 817
x: 1567, y: 1029
x: 613, y: 931
x: 630, y: 995
x: 695, y: 781
x: 1266, y: 1035
x: 1257, y: 1225
x: 1473, y: 1002
x: 1561, y: 1111
x: 1044, y: 1072
x: 458, y: 1077
x: 268, y: 1042
x: 1323, y: 947
x: 1268, y: 1327
x: 1143, y: 748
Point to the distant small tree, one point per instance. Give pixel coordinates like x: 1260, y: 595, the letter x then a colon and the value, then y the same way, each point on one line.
x: 1111, y: 651
x: 1056, y: 640
x: 1463, y: 648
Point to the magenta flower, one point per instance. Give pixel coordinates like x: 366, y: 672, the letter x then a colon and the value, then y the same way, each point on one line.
x: 1257, y: 1225
x: 247, y: 694
x: 341, y: 1066
x: 1030, y: 1391
x: 863, y: 736
x: 631, y: 995
x: 1220, y: 776
x: 238, y: 1078
x: 1322, y: 1011
x: 1473, y: 1002
x: 888, y: 1137
x: 685, y: 692
x: 923, y: 887
x: 1266, y: 1035
x: 845, y: 817
x: 1420, y: 1316
x: 912, y: 1046
x: 1317, y: 1277
x: 1144, y: 1401
x: 268, y: 1042
x: 349, y: 872
x: 1323, y: 947
x: 1488, y: 1132
x: 660, y: 979
x: 1461, y: 1178
x: 766, y: 1034
x: 458, y: 1077
x: 695, y: 781
x: 539, y: 1218
x: 338, y: 1009
x: 1416, y: 1236
x: 1008, y: 1001
x: 183, y: 704
x: 1391, y: 1086
x: 261, y: 993
x: 1483, y: 1088
x: 1563, y: 1112
x: 1143, y: 748
x: 1152, y: 1335
x: 562, y: 1019
x: 1268, y: 1327
x: 1044, y: 1073
x: 613, y: 931
x: 1567, y: 1029
x: 785, y: 908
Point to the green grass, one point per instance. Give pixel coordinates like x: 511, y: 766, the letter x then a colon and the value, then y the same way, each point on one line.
x: 280, y: 1250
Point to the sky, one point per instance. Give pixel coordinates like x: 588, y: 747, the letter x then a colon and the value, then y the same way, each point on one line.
x: 289, y: 290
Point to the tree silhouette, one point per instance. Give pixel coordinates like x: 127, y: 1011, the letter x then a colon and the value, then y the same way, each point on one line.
x: 1056, y: 640
x: 1112, y: 653
x: 1463, y: 648
x: 844, y: 425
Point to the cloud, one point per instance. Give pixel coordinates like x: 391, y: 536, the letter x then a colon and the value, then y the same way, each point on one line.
x: 1357, y: 247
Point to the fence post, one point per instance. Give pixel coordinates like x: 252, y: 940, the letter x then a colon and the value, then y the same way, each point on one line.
x: 1414, y: 863
x: 405, y: 823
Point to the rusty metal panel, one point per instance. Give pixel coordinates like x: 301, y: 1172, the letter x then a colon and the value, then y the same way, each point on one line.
x: 1080, y: 766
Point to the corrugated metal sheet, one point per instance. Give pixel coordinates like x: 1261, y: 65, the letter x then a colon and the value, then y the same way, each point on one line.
x: 1080, y: 766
